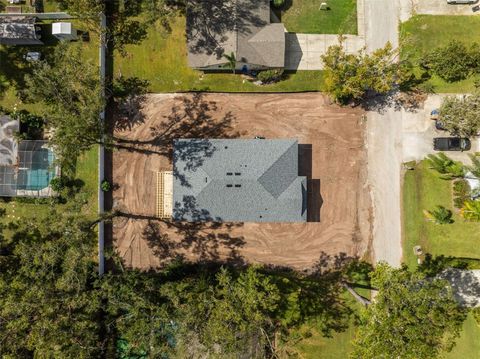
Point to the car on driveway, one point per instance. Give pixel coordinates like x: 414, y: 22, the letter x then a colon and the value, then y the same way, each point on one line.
x: 451, y: 144
x: 461, y: 2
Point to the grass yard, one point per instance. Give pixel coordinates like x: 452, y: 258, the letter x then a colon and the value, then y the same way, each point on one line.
x: 339, y: 345
x: 162, y: 59
x: 13, y: 66
x: 305, y: 16
x: 423, y: 33
x: 423, y: 189
x: 468, y: 345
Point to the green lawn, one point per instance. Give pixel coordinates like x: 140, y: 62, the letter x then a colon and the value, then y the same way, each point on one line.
x: 423, y: 189
x: 339, y: 345
x: 423, y: 33
x: 305, y: 16
x: 162, y: 59
x: 468, y: 345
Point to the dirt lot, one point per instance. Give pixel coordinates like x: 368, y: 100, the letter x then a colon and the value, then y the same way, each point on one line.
x: 332, y: 155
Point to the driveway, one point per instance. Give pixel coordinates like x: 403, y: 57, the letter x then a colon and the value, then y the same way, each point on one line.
x: 395, y: 137
x: 434, y: 7
x: 304, y: 51
x: 381, y: 23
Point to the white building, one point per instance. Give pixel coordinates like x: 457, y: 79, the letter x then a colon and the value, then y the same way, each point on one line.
x: 64, y: 31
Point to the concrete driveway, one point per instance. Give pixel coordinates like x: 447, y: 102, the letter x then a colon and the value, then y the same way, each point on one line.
x: 304, y: 51
x: 434, y: 7
x: 395, y: 137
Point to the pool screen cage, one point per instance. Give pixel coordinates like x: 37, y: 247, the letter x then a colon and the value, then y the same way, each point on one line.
x: 29, y: 172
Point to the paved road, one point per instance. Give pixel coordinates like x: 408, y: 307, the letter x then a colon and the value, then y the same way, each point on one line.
x: 384, y: 143
x: 393, y: 138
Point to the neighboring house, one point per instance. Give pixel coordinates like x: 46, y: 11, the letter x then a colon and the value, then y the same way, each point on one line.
x: 26, y: 167
x: 238, y: 180
x: 239, y: 27
x: 19, y: 30
x: 64, y: 31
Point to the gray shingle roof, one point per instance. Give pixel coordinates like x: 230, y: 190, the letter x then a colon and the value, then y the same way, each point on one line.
x: 239, y: 180
x: 18, y: 30
x: 242, y: 27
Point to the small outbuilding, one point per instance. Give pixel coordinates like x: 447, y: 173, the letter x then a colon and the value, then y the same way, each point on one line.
x: 64, y: 31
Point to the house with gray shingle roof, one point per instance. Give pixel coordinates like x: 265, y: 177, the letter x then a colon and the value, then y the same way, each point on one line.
x: 242, y: 27
x: 238, y: 180
x: 19, y: 30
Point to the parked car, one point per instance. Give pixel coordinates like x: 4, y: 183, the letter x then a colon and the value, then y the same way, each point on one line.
x: 451, y: 144
x: 461, y: 2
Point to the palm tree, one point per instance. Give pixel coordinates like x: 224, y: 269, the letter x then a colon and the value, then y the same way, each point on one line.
x: 440, y: 215
x: 471, y: 210
x: 447, y: 167
x: 475, y: 167
x: 232, y: 61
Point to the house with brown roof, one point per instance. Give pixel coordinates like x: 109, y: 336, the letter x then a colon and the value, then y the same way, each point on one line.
x: 216, y: 29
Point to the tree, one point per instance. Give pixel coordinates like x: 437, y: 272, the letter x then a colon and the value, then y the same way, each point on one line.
x: 226, y: 316
x: 350, y: 77
x: 232, y: 61
x: 411, y: 317
x: 453, y: 62
x: 444, y: 165
x: 48, y: 307
x: 461, y: 115
x: 471, y: 210
x: 474, y: 168
x: 70, y: 90
x: 440, y: 215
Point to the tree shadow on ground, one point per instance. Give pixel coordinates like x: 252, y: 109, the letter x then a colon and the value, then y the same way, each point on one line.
x: 205, y: 241
x: 320, y: 290
x: 195, y: 117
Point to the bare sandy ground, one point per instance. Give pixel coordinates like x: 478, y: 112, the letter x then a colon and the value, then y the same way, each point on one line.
x: 332, y: 155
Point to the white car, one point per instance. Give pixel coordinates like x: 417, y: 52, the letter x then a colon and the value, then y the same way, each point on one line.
x: 462, y: 2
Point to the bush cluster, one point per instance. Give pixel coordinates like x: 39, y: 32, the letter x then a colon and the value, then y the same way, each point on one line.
x: 270, y: 76
x: 461, y: 192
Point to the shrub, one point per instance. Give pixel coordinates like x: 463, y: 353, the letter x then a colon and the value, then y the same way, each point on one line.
x: 461, y: 192
x: 278, y: 3
x: 58, y: 183
x: 106, y: 186
x: 270, y: 76
x: 453, y: 62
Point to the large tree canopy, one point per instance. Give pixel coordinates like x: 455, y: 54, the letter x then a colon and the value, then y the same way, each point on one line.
x: 47, y: 305
x: 412, y: 316
x: 461, y: 115
x: 68, y: 85
x: 350, y: 77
